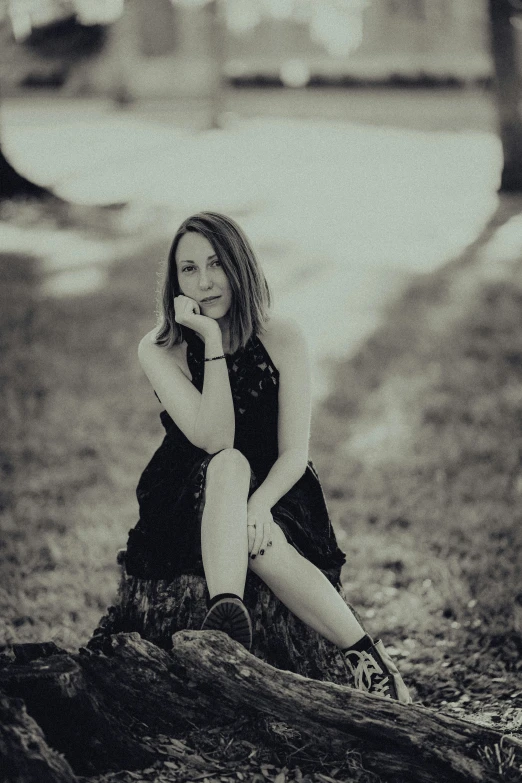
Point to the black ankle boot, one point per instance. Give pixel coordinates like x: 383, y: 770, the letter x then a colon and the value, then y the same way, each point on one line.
x: 228, y: 613
x: 374, y: 672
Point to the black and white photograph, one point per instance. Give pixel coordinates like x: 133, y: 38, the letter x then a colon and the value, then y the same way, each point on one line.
x: 261, y: 391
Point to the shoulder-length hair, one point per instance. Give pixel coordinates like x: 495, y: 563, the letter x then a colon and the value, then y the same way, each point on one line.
x: 251, y: 298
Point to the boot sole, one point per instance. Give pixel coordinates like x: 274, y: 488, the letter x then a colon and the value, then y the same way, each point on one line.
x: 231, y: 616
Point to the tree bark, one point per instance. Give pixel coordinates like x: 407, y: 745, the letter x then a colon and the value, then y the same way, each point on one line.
x: 156, y: 609
x: 94, y: 708
x: 15, y: 185
x: 24, y: 752
x: 419, y: 743
x: 508, y: 90
x: 108, y: 711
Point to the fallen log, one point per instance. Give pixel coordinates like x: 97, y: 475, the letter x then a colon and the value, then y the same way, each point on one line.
x: 24, y: 753
x: 137, y: 691
x: 77, y: 720
x: 96, y: 708
x: 429, y: 744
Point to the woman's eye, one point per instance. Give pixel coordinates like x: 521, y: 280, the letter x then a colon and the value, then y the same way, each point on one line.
x: 187, y: 268
x: 217, y: 262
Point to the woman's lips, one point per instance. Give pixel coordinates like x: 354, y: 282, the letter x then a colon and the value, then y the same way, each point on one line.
x: 211, y: 301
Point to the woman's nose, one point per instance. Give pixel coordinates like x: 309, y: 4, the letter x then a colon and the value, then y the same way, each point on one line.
x: 204, y: 280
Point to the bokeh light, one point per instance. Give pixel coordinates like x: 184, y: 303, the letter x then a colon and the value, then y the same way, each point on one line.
x: 295, y: 73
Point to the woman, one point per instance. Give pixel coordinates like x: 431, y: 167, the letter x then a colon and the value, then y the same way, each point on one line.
x: 231, y: 487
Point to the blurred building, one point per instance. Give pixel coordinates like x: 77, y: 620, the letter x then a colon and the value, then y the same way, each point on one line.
x: 168, y: 47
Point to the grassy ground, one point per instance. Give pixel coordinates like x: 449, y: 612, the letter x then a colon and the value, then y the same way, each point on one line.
x: 80, y: 422
x: 419, y: 448
x: 425, y: 481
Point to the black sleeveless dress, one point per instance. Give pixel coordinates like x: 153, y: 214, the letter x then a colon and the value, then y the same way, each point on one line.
x: 166, y: 540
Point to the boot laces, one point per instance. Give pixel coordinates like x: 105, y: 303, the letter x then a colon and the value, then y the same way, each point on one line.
x: 368, y: 675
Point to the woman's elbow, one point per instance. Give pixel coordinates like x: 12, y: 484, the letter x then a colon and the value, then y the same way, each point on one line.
x: 213, y: 448
x: 219, y: 441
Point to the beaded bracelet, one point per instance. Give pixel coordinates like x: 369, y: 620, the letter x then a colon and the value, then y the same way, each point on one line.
x: 211, y: 359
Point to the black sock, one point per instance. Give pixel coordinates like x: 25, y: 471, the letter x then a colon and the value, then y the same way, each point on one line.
x: 363, y: 644
x: 219, y: 596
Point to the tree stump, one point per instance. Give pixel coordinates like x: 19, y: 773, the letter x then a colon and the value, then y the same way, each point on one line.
x: 157, y: 609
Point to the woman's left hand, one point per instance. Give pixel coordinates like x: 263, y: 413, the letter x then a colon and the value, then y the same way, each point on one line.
x: 259, y: 527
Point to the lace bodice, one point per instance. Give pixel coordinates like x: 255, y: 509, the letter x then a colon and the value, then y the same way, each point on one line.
x: 254, y: 383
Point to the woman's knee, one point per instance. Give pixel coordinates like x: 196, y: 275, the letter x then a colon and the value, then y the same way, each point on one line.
x: 228, y: 463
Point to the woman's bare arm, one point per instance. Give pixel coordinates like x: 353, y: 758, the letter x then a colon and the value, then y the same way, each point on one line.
x: 294, y: 415
x: 215, y: 422
x: 207, y: 418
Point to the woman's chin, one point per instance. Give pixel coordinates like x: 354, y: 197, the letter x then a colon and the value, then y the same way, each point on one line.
x: 217, y: 313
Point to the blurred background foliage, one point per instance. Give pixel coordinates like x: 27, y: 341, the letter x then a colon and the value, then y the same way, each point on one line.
x: 285, y: 42
x: 129, y: 50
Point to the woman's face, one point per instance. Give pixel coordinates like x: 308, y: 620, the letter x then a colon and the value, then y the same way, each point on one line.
x: 200, y: 275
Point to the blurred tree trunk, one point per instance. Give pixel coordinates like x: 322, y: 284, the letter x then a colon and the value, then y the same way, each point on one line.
x: 218, y: 53
x: 14, y: 185
x: 508, y: 90
x: 123, y: 52
x: 114, y: 70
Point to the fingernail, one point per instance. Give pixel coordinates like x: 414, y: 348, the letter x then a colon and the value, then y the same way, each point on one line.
x: 253, y: 557
x: 262, y: 552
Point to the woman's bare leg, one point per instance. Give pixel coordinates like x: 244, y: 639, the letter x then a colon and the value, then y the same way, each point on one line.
x: 306, y: 591
x: 224, y: 541
x: 224, y: 546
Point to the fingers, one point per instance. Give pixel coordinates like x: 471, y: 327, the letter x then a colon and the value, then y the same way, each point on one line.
x: 184, y: 307
x: 251, y: 530
x: 255, y: 529
x: 268, y: 540
x: 267, y: 537
x: 194, y: 307
x: 258, y: 538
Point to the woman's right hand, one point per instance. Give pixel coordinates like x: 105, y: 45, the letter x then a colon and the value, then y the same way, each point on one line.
x: 187, y: 313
